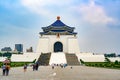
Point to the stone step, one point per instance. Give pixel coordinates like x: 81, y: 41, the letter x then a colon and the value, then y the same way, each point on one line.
x: 72, y: 59
x: 44, y: 59
x: 57, y: 58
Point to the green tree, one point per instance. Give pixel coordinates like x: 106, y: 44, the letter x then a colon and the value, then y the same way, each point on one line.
x: 116, y: 62
x: 0, y: 54
x: 7, y: 54
x: 110, y: 55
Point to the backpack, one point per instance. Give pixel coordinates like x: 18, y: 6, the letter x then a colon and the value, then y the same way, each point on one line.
x: 7, y: 67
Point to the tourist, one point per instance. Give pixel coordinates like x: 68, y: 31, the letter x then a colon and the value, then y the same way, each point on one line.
x: 37, y: 65
x: 53, y: 66
x: 63, y: 65
x: 71, y: 67
x: 7, y: 69
x: 34, y: 66
x: 25, y: 67
x: 3, y: 68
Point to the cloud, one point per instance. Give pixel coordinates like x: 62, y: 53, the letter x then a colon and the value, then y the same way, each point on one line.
x: 35, y: 6
x: 45, y: 7
x: 94, y: 14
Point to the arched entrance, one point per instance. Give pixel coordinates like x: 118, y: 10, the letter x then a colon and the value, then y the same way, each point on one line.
x: 58, y: 47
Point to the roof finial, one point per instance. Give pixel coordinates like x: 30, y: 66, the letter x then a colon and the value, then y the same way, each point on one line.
x: 58, y: 17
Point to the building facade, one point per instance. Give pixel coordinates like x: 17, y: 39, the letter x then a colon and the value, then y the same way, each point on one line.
x: 61, y: 43
x: 58, y: 37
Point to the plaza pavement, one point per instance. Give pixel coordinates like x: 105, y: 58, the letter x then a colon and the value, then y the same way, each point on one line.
x: 76, y: 73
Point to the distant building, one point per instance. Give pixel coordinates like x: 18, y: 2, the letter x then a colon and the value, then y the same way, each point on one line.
x: 29, y: 50
x: 19, y: 47
x: 6, y: 49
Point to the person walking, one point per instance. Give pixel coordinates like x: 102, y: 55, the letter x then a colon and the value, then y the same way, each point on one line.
x: 25, y: 67
x: 52, y: 66
x: 7, y: 69
x: 3, y: 69
x: 37, y: 65
x: 34, y: 67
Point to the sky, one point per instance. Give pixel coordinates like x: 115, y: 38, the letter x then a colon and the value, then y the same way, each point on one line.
x: 97, y: 22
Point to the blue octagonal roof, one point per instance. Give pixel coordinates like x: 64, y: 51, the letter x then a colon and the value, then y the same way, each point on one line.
x: 58, y: 27
x: 58, y: 23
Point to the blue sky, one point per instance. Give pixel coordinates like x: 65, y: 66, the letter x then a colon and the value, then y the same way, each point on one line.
x: 96, y: 21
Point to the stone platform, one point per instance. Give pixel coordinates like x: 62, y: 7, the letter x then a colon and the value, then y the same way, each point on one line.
x: 76, y: 73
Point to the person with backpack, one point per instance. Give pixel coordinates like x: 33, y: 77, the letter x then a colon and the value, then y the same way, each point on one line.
x: 7, y: 69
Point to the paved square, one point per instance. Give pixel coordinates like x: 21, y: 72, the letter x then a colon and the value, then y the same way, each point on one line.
x: 76, y: 73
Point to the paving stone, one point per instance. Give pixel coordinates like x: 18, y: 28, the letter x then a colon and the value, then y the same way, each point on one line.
x: 58, y: 73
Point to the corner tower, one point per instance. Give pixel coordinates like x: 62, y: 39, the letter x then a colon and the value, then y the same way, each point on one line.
x: 58, y: 37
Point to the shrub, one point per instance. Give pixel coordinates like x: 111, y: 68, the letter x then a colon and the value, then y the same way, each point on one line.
x: 82, y: 62
x: 116, y: 62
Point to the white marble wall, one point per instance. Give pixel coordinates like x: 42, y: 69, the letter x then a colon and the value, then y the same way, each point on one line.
x: 89, y: 57
x: 113, y: 59
x: 26, y: 57
x: 2, y: 59
x: 46, y: 43
x: 29, y: 57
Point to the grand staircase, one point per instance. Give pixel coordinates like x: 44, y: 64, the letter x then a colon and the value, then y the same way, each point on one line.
x: 44, y: 59
x: 72, y: 59
x: 57, y: 58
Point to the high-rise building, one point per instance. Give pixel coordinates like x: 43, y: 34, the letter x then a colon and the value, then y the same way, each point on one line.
x: 19, y: 47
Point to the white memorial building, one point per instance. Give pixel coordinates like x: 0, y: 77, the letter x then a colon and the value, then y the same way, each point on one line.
x: 58, y: 37
x: 58, y: 44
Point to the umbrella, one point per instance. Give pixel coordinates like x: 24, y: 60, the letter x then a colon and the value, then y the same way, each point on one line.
x: 6, y: 61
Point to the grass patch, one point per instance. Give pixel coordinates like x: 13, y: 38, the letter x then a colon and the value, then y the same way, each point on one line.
x: 111, y: 65
x: 17, y: 64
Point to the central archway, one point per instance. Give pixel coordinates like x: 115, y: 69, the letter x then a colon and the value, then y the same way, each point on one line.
x: 58, y: 47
